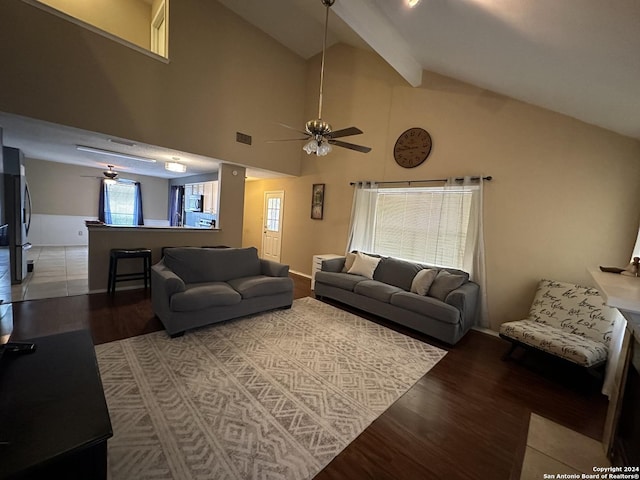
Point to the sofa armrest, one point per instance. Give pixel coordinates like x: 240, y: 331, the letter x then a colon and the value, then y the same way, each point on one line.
x: 273, y: 269
x: 333, y: 264
x: 465, y: 299
x: 164, y: 279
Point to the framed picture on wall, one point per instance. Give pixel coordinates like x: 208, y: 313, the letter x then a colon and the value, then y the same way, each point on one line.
x: 317, y: 201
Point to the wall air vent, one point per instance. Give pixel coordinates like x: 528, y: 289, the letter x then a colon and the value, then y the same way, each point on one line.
x: 243, y: 138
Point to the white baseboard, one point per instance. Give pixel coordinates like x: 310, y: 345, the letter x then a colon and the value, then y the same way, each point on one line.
x: 488, y: 331
x: 305, y: 275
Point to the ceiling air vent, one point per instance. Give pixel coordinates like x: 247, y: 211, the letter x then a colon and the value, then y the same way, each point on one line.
x: 243, y: 138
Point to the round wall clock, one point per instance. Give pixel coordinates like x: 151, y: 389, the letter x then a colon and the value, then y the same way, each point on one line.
x: 412, y: 147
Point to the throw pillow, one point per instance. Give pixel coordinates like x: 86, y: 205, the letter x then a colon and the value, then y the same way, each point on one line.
x: 423, y: 280
x: 364, y: 265
x: 444, y: 284
x: 348, y: 261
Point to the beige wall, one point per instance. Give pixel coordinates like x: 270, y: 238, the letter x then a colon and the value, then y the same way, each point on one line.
x: 563, y: 196
x: 127, y: 19
x: 224, y: 76
x: 62, y: 189
x: 231, y: 197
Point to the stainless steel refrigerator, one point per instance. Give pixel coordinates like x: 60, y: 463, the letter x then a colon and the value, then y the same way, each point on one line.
x: 16, y: 212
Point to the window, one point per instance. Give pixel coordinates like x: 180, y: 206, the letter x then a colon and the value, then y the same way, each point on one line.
x: 419, y: 224
x: 122, y: 199
x: 440, y: 226
x: 273, y: 214
x: 120, y: 204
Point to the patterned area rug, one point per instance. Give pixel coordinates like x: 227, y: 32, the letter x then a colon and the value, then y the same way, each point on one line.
x: 275, y: 395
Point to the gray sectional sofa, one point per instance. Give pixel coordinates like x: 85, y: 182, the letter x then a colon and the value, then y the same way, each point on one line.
x: 438, y: 312
x: 194, y: 286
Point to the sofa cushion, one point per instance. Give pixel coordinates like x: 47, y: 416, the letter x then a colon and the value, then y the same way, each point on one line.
x: 364, y: 265
x: 423, y: 280
x: 345, y: 281
x: 575, y: 348
x: 349, y: 258
x: 376, y: 290
x: 198, y: 265
x: 444, y: 284
x: 261, y: 285
x: 396, y: 272
x: 199, y: 296
x: 428, y: 306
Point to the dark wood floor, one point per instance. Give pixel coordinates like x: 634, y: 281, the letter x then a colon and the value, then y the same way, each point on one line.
x: 465, y: 419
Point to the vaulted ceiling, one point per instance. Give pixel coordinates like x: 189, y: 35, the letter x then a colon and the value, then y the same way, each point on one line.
x: 577, y: 57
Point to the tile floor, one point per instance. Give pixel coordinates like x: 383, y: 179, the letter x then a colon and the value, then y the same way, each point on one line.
x: 57, y: 272
x: 553, y: 449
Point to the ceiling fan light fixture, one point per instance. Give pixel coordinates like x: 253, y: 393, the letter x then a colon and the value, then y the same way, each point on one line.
x: 311, y: 146
x: 317, y: 127
x: 110, y: 181
x: 323, y: 149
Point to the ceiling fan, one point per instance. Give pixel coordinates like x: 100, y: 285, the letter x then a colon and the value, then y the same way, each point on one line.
x: 319, y: 133
x: 109, y: 175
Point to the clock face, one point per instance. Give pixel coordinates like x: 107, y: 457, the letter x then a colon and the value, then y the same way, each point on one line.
x: 412, y: 147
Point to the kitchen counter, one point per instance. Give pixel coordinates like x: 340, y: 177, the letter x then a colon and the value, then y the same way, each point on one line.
x: 102, y: 238
x: 115, y: 228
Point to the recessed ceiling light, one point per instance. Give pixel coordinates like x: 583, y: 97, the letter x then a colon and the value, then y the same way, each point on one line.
x: 412, y: 3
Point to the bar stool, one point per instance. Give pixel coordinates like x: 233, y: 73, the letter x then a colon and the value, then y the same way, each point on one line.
x: 122, y: 253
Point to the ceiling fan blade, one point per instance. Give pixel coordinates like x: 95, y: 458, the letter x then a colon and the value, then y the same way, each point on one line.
x: 287, y: 140
x: 345, y: 132
x: 293, y: 128
x: 350, y: 146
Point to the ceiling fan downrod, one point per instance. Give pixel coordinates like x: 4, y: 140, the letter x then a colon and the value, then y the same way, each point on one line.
x: 327, y: 4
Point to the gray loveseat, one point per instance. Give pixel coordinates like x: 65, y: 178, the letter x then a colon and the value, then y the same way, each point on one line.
x: 442, y: 314
x: 193, y: 286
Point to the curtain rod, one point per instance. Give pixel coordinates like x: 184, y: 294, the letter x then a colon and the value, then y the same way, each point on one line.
x: 457, y: 179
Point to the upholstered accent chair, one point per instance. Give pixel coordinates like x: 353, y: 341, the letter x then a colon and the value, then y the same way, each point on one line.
x: 566, y: 320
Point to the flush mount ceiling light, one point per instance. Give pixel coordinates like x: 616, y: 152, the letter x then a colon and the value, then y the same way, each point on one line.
x: 175, y: 167
x: 110, y: 153
x: 412, y: 3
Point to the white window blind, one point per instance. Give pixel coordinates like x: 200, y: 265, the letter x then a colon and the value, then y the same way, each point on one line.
x: 122, y: 201
x: 423, y: 224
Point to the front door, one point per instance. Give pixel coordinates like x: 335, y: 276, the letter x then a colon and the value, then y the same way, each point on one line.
x: 272, y: 232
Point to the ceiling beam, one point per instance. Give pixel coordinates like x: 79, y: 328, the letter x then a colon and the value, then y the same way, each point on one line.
x: 367, y: 21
